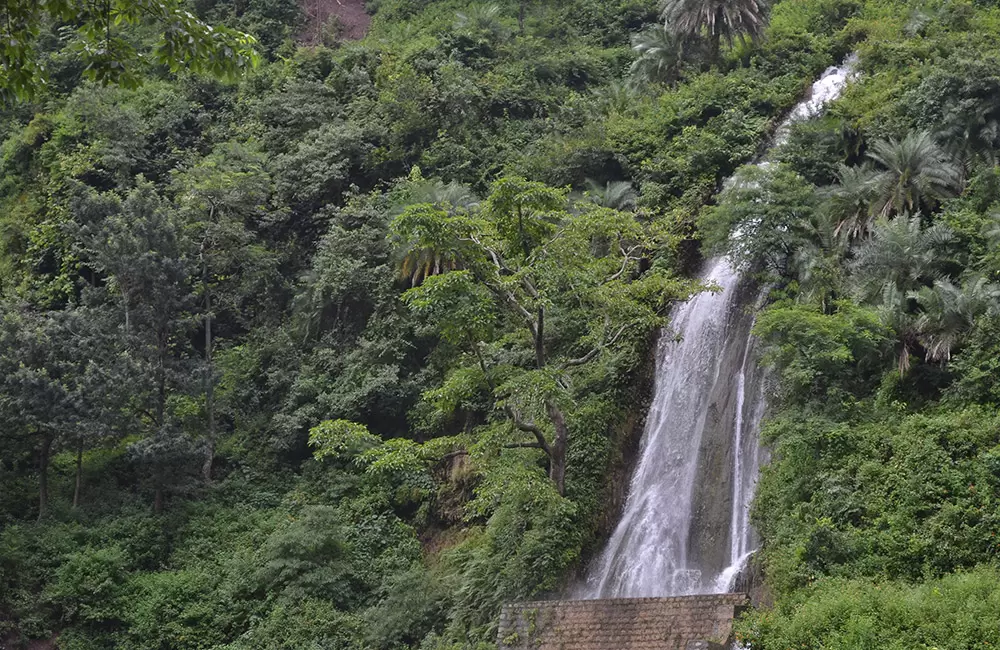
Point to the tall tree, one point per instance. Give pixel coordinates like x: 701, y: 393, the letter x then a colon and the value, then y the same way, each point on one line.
x: 147, y: 262
x: 521, y: 257
x: 58, y: 382
x: 222, y: 199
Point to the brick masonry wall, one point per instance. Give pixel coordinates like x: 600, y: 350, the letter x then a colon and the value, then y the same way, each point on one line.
x: 683, y: 623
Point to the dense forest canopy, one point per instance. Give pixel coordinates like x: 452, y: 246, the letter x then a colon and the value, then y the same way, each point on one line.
x: 313, y: 342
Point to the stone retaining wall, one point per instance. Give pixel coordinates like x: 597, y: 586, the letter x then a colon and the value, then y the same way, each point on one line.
x: 683, y: 623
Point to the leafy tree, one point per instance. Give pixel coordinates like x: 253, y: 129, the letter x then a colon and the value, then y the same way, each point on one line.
x: 516, y: 257
x: 92, y: 31
x: 763, y: 217
x: 308, y: 559
x: 420, y: 261
x: 822, y: 354
x: 146, y: 261
x: 223, y: 198
x: 318, y: 171
x: 58, y: 383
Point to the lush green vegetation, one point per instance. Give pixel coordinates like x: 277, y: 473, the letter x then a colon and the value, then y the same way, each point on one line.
x: 344, y: 352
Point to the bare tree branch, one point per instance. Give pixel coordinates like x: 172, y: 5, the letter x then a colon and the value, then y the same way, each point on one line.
x: 521, y: 425
x: 627, y: 257
x: 525, y: 445
x: 590, y: 356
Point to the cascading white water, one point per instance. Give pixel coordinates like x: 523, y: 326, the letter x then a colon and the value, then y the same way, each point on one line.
x: 679, y: 533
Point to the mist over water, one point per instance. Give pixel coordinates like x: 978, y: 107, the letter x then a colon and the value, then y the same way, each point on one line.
x: 685, y: 527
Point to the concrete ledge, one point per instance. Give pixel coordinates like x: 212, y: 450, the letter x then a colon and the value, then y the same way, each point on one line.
x: 681, y: 623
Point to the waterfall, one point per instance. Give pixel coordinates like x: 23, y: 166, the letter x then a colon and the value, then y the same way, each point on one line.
x: 685, y: 527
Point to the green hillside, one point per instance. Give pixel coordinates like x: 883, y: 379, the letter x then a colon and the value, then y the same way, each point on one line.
x: 318, y: 343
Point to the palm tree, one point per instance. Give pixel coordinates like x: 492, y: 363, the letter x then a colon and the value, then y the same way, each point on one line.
x: 916, y: 172
x: 481, y: 19
x: 617, y: 195
x: 949, y: 311
x: 818, y: 262
x: 658, y: 57
x: 453, y: 197
x: 900, y: 253
x: 894, y: 311
x: 422, y: 259
x: 717, y: 19
x: 615, y: 97
x: 850, y: 201
x: 973, y: 133
x: 892, y: 269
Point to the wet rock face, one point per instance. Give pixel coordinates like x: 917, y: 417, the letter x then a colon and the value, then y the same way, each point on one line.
x: 710, y: 539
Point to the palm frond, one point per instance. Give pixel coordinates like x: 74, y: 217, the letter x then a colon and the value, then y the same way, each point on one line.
x: 718, y: 19
x: 900, y: 252
x: 617, y: 195
x: 658, y: 57
x: 850, y: 201
x: 482, y: 18
x: 916, y: 172
x: 949, y: 311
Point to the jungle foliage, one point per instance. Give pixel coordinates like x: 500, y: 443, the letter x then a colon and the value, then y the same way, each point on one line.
x: 340, y: 346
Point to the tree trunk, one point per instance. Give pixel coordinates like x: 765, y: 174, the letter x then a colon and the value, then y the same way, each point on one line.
x: 206, y: 465
x: 520, y: 16
x: 43, y: 476
x: 161, y: 414
x: 557, y: 459
x: 206, y: 468
x: 540, y: 339
x: 128, y: 314
x: 161, y: 383
x: 79, y: 473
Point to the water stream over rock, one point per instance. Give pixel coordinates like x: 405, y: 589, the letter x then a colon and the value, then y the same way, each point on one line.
x: 685, y: 527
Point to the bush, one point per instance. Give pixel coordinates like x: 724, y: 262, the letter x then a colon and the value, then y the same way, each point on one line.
x: 954, y: 613
x: 88, y: 585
